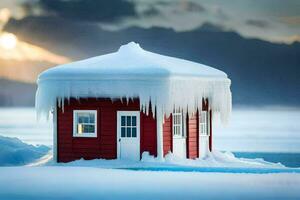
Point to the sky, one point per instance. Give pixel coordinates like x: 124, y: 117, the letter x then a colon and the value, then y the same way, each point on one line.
x: 240, y: 37
x: 271, y: 20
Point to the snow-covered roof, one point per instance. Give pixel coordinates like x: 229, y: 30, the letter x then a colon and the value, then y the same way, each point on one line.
x: 134, y: 72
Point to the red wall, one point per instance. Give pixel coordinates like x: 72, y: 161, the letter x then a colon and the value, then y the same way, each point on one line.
x: 192, y: 136
x: 148, y: 134
x: 193, y: 133
x: 167, y: 135
x: 210, y: 128
x: 105, y: 145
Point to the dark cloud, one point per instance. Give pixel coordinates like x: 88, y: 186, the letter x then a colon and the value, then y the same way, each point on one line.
x: 152, y: 11
x: 88, y: 10
x: 192, y: 6
x: 257, y: 23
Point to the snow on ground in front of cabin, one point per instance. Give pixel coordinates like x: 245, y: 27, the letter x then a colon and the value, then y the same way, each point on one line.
x: 53, y: 182
x: 215, y: 159
x: 171, y: 178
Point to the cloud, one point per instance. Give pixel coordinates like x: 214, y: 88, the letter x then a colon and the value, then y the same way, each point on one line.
x: 291, y: 20
x: 87, y: 10
x: 257, y: 23
x: 190, y: 6
x: 152, y: 11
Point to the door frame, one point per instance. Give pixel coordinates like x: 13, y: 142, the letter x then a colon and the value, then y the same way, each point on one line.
x: 138, y: 133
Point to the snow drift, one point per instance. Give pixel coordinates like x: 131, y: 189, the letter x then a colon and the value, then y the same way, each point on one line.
x: 133, y: 72
x: 14, y: 152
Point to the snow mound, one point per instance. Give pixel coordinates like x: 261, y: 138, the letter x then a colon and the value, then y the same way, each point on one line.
x: 220, y: 159
x: 133, y: 72
x: 215, y: 159
x: 14, y: 152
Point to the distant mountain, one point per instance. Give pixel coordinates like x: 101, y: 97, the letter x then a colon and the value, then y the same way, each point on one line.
x: 14, y: 93
x: 262, y: 73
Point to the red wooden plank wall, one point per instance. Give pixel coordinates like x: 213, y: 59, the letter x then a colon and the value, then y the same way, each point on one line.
x: 192, y: 136
x: 167, y: 135
x: 210, y: 128
x: 105, y: 145
x: 148, y: 134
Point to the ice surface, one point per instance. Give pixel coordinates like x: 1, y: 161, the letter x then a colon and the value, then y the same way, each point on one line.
x: 133, y: 72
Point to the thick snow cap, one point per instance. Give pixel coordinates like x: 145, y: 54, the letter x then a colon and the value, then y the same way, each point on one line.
x: 134, y: 72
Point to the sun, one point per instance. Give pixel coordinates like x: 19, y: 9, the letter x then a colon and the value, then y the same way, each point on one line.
x: 8, y: 41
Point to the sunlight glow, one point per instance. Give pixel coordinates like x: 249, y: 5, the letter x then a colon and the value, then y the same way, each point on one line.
x: 13, y: 49
x: 8, y: 40
x: 4, y: 15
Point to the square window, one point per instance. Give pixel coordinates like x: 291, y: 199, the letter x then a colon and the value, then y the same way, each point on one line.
x: 127, y: 124
x: 84, y: 123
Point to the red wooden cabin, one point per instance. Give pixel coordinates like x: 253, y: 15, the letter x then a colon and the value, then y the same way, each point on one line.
x: 114, y: 123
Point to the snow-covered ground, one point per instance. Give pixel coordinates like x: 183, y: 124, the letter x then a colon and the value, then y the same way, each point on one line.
x: 95, y: 183
x: 220, y: 176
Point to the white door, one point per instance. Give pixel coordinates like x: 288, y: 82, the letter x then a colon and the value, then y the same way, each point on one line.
x: 204, y: 134
x: 128, y: 133
x: 179, y: 140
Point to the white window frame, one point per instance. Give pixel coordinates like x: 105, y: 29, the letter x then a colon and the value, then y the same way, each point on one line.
x: 75, y: 134
x: 177, y: 126
x: 203, y: 124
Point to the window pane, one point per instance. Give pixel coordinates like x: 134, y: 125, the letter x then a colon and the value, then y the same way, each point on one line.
x: 123, y: 121
x: 88, y: 128
x: 128, y: 132
x: 133, y: 120
x: 128, y: 121
x: 133, y: 132
x: 92, y: 129
x: 85, y: 118
x: 123, y: 132
x: 85, y: 128
x: 79, y: 119
x: 92, y: 118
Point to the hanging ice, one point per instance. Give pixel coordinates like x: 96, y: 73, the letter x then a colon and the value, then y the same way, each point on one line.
x: 133, y: 72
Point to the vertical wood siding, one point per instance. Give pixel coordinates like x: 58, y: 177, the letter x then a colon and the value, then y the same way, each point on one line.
x: 167, y: 135
x: 192, y: 136
x: 148, y: 134
x: 210, y: 128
